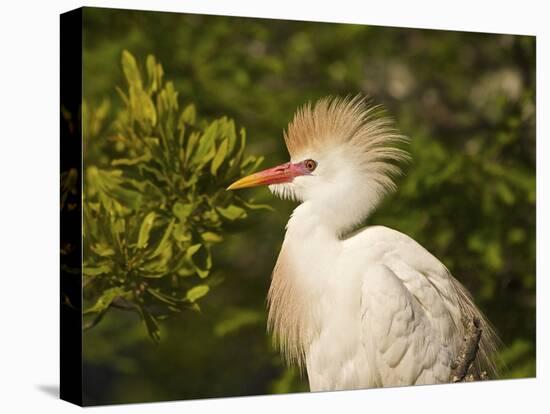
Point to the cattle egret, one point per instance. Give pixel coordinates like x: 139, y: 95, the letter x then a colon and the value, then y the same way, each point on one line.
x: 358, y: 308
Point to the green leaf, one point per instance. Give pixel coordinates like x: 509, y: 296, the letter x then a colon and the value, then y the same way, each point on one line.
x: 110, y: 186
x: 231, y: 134
x: 164, y: 240
x: 191, y: 143
x: 96, y: 270
x: 197, y: 292
x: 253, y: 206
x: 232, y: 212
x: 151, y: 72
x: 189, y: 115
x: 105, y: 300
x: 102, y: 249
x: 181, y: 233
x: 123, y: 96
x: 206, y: 148
x: 203, y: 273
x: 148, y: 109
x: 191, y: 250
x: 145, y: 230
x: 162, y: 297
x: 251, y: 164
x: 130, y: 69
x: 201, y: 259
x: 235, y: 168
x: 182, y: 211
x: 150, y: 323
x: 131, y: 161
x: 220, y: 157
x: 211, y: 237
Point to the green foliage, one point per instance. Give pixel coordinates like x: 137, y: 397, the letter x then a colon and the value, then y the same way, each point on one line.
x: 155, y: 200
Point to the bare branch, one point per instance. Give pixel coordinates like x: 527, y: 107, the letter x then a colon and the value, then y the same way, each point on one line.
x: 462, y: 367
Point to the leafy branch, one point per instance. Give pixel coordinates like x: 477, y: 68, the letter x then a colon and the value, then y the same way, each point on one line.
x: 154, y: 199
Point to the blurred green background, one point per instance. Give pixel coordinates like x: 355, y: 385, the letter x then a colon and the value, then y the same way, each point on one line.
x: 467, y: 100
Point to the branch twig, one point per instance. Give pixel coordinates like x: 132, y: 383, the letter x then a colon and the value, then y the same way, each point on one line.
x: 462, y: 367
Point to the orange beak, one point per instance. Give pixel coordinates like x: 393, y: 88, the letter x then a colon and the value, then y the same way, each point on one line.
x: 283, y: 173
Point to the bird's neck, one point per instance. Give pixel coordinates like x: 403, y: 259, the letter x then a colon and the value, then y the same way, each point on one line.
x: 325, y: 220
x: 304, y: 273
x: 310, y: 246
x: 308, y: 221
x: 311, y: 243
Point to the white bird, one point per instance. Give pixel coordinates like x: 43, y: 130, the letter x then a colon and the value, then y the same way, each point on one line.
x: 367, y: 308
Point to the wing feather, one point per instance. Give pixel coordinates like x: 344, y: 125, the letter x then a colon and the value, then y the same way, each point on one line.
x: 400, y: 335
x: 412, y: 312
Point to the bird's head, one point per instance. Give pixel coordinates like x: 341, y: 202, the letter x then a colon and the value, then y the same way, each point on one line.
x: 342, y: 158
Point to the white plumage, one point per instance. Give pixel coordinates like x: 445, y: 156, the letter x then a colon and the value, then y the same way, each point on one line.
x: 367, y: 309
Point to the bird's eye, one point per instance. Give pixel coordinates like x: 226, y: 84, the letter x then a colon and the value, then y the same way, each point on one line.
x: 310, y: 165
